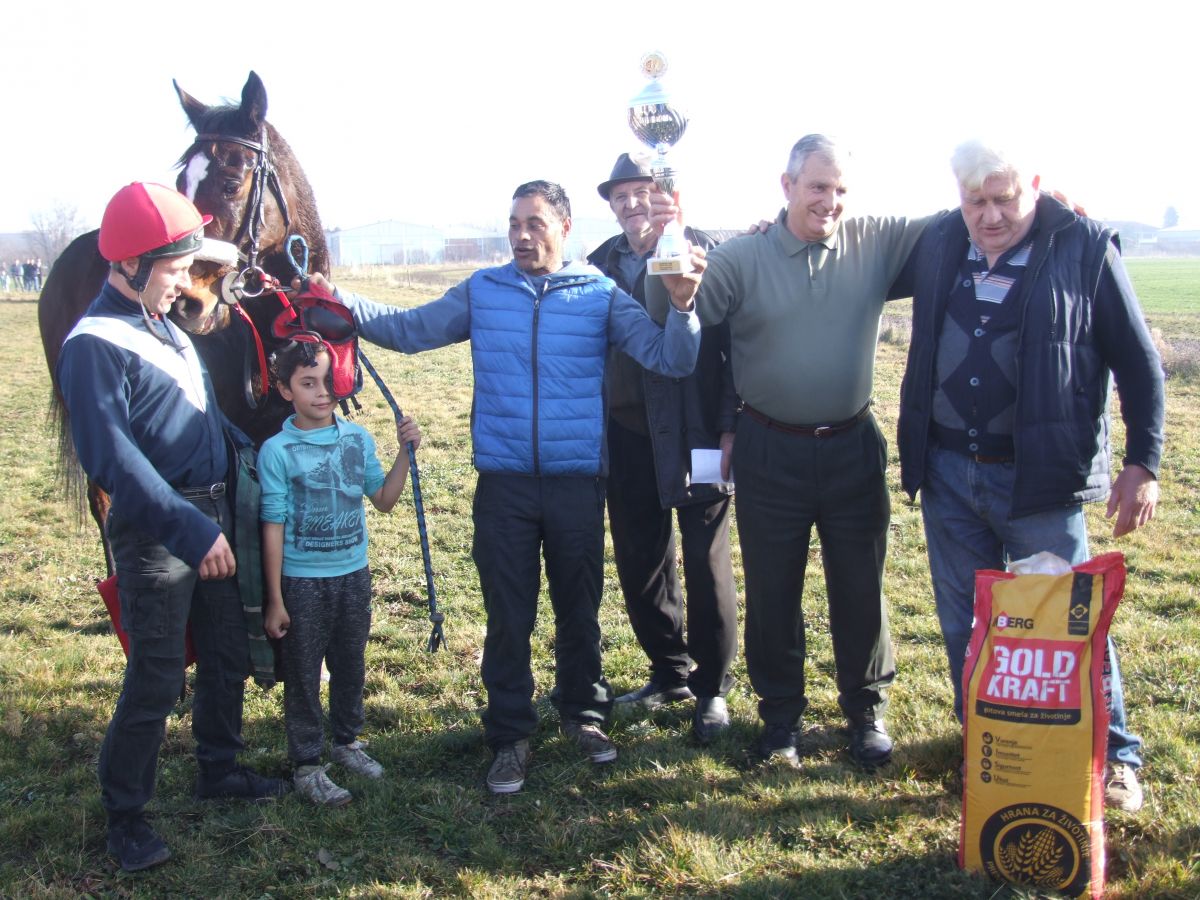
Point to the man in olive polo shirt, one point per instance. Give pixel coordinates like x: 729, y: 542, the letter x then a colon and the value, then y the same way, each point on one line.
x: 803, y: 302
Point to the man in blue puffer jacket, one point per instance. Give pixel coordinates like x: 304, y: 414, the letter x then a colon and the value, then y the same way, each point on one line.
x: 540, y: 332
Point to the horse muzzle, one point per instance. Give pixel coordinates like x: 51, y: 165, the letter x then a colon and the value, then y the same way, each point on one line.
x: 199, y: 312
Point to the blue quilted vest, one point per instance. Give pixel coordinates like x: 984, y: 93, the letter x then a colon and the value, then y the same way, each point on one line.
x: 539, y: 371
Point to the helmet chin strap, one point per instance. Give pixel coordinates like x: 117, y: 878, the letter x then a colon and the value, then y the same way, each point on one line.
x: 139, y: 279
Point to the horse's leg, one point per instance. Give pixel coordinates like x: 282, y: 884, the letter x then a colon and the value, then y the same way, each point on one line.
x: 99, y: 503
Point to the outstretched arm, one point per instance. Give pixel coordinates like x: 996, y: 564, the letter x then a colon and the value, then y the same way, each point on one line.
x: 438, y: 323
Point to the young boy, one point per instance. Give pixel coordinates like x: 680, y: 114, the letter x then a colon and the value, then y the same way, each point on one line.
x: 314, y: 475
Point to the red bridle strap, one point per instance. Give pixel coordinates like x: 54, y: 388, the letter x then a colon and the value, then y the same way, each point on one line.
x: 265, y: 382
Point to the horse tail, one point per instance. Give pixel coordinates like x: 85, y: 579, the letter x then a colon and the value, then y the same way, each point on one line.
x: 68, y: 472
x: 74, y: 280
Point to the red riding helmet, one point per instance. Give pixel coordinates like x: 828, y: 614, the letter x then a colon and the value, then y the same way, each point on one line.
x: 150, y: 220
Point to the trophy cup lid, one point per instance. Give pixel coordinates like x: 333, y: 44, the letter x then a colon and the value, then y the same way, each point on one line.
x: 652, y: 94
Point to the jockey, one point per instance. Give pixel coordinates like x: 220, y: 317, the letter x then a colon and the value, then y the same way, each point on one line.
x: 147, y: 431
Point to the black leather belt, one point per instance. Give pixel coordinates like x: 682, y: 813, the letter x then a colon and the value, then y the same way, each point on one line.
x: 999, y: 447
x: 212, y: 492
x: 808, y: 430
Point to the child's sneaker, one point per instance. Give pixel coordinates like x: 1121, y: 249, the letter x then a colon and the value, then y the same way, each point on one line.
x: 315, y: 786
x: 507, y: 774
x: 594, y: 743
x: 355, y: 759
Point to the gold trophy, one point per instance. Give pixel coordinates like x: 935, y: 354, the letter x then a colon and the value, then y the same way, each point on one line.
x: 659, y: 126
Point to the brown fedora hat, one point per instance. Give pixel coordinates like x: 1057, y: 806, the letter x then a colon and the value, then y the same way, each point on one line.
x: 626, y: 169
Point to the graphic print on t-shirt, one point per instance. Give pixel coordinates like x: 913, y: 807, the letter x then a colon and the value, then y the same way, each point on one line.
x: 327, y: 493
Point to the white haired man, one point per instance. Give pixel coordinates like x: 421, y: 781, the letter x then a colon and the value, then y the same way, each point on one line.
x: 1022, y: 309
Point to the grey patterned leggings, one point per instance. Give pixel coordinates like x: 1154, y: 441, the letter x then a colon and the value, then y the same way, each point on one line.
x: 331, y: 619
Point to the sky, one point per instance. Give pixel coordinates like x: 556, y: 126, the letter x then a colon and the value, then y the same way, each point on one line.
x: 433, y: 114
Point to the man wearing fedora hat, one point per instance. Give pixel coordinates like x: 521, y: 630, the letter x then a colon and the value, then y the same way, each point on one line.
x: 654, y: 423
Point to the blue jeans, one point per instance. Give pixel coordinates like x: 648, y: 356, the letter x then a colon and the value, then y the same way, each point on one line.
x: 966, y: 507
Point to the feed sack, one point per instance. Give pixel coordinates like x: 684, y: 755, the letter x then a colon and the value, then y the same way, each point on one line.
x: 1035, y: 725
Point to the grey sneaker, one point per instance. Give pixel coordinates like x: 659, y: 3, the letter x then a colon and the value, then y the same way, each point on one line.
x: 355, y: 759
x: 315, y: 786
x: 1121, y: 788
x: 507, y: 774
x: 591, y: 740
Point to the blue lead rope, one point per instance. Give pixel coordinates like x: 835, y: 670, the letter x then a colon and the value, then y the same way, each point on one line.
x: 436, y: 637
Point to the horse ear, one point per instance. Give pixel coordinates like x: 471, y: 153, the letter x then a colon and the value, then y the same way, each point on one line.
x: 254, y: 100
x: 194, y: 108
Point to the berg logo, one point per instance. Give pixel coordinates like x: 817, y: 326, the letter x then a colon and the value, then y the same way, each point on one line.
x: 1006, y: 621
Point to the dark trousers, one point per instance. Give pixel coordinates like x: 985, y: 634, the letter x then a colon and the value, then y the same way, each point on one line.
x: 159, y: 594
x: 786, y: 485
x: 330, y: 622
x: 644, y: 547
x: 518, y: 519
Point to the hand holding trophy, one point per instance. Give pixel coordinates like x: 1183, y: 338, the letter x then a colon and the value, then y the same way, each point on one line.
x: 659, y: 125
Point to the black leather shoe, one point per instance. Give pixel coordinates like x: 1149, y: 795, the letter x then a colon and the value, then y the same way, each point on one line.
x: 135, y: 845
x: 651, y: 696
x: 241, y: 783
x: 710, y: 718
x: 870, y: 745
x: 778, y: 743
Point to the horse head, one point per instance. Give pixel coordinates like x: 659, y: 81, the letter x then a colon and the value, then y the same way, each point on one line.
x: 242, y: 172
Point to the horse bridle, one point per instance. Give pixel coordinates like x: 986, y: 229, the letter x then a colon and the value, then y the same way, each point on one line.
x: 264, y: 178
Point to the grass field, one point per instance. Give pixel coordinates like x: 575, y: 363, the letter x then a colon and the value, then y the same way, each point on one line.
x: 668, y: 818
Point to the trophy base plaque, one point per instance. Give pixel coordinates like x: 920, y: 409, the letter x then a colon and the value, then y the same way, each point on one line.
x: 671, y: 256
x: 668, y: 265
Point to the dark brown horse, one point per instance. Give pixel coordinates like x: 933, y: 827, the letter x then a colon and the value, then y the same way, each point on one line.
x: 242, y: 173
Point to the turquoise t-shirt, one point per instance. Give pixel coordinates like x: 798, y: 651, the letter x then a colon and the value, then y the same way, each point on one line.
x: 314, y: 483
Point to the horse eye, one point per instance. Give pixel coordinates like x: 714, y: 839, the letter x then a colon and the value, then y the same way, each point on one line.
x: 231, y: 187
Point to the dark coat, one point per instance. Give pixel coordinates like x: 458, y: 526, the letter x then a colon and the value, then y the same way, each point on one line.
x: 1079, y: 320
x: 683, y: 413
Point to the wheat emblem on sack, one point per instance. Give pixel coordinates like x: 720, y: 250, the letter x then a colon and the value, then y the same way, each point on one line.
x: 1034, y: 858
